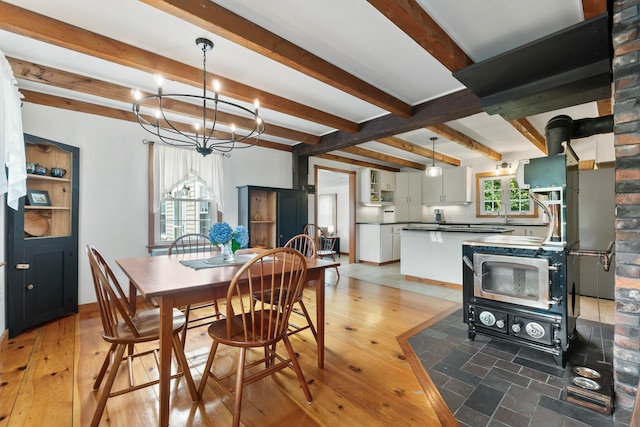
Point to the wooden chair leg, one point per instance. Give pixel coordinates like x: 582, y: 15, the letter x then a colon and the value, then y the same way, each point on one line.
x: 182, y: 360
x: 207, y: 367
x: 237, y: 405
x: 297, y: 369
x: 105, y: 366
x: 187, y: 311
x: 102, y: 401
x: 309, y: 321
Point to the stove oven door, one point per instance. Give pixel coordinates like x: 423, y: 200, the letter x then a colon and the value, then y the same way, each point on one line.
x: 512, y: 279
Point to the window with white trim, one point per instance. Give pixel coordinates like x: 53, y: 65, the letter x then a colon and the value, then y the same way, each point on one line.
x: 187, y: 192
x: 186, y: 208
x: 498, y: 195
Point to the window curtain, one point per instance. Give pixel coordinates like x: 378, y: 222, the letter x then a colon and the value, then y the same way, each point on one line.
x: 171, y: 164
x: 13, y: 180
x: 327, y: 210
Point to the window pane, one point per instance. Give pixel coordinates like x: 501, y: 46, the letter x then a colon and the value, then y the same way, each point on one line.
x: 185, y: 209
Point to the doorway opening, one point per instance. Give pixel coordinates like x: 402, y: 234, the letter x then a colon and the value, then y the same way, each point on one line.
x: 335, y: 206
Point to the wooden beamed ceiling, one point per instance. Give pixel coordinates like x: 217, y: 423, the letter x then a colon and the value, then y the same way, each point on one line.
x: 407, y: 15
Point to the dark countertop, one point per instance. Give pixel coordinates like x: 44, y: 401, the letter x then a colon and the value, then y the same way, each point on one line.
x: 456, y: 224
x: 459, y: 229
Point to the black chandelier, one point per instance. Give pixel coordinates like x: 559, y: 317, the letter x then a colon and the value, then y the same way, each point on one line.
x: 204, y: 137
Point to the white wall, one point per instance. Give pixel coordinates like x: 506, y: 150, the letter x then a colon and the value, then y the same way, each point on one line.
x: 113, y: 183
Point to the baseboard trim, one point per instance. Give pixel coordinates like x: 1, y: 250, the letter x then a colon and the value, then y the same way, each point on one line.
x: 4, y: 341
x: 433, y: 282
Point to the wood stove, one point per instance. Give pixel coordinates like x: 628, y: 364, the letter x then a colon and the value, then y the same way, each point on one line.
x: 526, y: 289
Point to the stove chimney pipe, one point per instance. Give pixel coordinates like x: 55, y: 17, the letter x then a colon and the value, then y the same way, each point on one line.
x: 563, y: 128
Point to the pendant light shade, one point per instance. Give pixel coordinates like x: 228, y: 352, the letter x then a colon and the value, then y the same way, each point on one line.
x: 433, y: 170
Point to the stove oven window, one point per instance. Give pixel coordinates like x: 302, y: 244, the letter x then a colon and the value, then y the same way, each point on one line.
x: 513, y: 279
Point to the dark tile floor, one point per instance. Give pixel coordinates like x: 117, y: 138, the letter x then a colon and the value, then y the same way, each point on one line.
x: 491, y: 382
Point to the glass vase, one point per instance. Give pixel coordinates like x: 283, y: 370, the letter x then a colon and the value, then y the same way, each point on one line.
x: 227, y: 252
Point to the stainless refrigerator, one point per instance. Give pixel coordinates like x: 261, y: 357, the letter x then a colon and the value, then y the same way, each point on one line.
x: 597, y: 221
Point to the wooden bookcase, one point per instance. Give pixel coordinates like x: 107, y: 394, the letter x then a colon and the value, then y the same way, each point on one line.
x: 272, y: 215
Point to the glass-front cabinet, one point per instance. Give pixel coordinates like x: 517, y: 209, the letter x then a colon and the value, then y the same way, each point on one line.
x: 42, y: 238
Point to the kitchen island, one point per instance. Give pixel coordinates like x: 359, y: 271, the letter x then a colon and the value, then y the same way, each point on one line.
x: 433, y: 254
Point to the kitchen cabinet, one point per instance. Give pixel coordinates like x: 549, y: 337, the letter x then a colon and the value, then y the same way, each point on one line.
x: 42, y: 238
x: 452, y: 187
x: 272, y: 215
x: 408, y: 196
x: 379, y: 243
x: 377, y: 187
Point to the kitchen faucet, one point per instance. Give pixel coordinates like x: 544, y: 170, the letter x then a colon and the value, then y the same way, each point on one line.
x: 506, y: 213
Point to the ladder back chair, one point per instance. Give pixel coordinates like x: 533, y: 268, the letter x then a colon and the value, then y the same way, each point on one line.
x: 189, y: 244
x: 324, y: 244
x: 304, y: 244
x: 251, y: 325
x: 123, y: 328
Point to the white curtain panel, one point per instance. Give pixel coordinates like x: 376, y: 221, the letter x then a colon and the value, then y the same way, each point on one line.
x: 14, y: 181
x: 172, y: 164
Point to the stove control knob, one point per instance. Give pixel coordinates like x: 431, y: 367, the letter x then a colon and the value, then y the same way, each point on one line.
x: 516, y: 327
x: 500, y: 324
x: 487, y: 318
x: 535, y: 330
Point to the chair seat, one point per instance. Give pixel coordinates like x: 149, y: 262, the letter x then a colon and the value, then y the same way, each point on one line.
x: 148, y: 324
x: 218, y: 331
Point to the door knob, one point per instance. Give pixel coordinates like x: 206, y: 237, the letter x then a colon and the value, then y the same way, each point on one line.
x: 29, y: 287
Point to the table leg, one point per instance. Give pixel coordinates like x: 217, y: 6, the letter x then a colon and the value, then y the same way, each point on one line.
x: 133, y: 296
x: 320, y: 317
x: 166, y: 335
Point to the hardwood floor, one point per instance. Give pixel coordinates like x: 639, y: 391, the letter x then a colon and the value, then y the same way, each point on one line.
x: 371, y: 376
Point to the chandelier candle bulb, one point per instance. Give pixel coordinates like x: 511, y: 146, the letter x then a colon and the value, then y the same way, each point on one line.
x: 216, y: 89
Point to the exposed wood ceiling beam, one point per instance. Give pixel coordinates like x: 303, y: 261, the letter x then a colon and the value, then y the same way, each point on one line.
x: 446, y: 108
x: 85, y: 107
x: 30, y: 24
x: 525, y: 127
x: 214, y: 18
x: 401, y: 144
x: 459, y: 138
x: 63, y: 79
x: 604, y: 107
x: 384, y: 157
x: 591, y: 8
x: 361, y: 163
x: 411, y: 18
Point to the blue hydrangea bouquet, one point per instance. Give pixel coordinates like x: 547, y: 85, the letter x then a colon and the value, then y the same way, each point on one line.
x: 221, y: 233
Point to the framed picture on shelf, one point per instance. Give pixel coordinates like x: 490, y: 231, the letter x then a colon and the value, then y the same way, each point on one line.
x: 38, y: 198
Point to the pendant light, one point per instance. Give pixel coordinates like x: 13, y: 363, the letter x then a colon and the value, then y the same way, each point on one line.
x: 433, y: 170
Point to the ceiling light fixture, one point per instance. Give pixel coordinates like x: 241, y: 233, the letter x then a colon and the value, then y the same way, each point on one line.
x: 503, y: 165
x: 206, y: 137
x: 433, y: 170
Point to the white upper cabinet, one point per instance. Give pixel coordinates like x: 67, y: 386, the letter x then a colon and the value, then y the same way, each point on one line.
x: 408, y: 196
x: 377, y: 187
x: 453, y: 187
x: 387, y: 181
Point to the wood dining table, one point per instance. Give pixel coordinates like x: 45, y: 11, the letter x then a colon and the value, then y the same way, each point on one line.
x: 173, y: 284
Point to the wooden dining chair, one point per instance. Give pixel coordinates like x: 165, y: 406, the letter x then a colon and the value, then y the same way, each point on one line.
x: 189, y: 244
x: 304, y: 244
x: 124, y: 328
x: 258, y: 325
x: 324, y: 244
